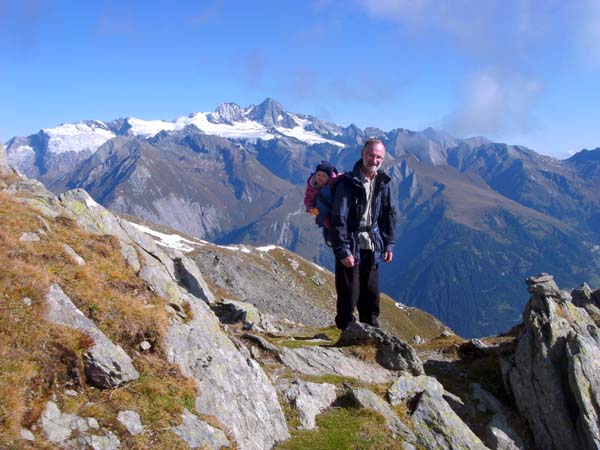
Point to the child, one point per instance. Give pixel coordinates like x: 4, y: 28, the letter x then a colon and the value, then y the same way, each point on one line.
x: 316, y: 181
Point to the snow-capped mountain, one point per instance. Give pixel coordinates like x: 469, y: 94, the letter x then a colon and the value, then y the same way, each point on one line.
x: 34, y: 154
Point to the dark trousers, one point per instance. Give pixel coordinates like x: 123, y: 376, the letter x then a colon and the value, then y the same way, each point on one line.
x: 357, y: 287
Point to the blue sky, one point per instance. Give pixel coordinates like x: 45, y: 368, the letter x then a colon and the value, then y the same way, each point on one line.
x: 516, y: 71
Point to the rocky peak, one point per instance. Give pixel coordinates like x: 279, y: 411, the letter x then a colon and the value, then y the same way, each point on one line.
x: 227, y: 113
x: 270, y: 113
x: 554, y: 375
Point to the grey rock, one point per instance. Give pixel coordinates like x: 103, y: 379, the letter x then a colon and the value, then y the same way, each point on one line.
x: 499, y: 435
x: 392, y: 353
x: 56, y: 425
x: 27, y: 301
x: 25, y: 433
x: 93, y: 423
x: 131, y: 421
x: 71, y: 393
x: 29, y: 237
x: 542, y: 285
x: 106, y: 364
x: 73, y: 254
x: 71, y: 431
x: 367, y: 399
x: 310, y: 399
x: 233, y: 389
x: 555, y: 370
x: 130, y: 256
x: 408, y: 386
x: 145, y: 345
x: 438, y: 427
x: 313, y: 360
x: 198, y: 434
x: 262, y: 342
x: 582, y: 296
x: 190, y: 277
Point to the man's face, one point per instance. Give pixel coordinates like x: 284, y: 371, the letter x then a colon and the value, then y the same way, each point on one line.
x: 373, y: 157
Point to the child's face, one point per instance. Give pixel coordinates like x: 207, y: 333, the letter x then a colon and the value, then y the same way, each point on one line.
x: 321, y: 178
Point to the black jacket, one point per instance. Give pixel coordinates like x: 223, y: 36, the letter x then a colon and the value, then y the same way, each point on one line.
x: 348, y: 206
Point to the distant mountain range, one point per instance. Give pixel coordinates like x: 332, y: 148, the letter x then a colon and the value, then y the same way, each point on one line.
x: 474, y: 216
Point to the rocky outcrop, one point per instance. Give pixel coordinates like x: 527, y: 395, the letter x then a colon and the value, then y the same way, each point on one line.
x: 392, y: 353
x: 332, y: 361
x: 232, y: 388
x: 554, y: 375
x: 106, y: 364
x: 436, y: 425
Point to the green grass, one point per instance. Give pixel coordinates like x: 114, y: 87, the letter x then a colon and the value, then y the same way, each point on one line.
x: 344, y: 428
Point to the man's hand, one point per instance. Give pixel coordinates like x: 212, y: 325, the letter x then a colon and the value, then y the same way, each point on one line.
x: 388, y: 256
x: 348, y: 261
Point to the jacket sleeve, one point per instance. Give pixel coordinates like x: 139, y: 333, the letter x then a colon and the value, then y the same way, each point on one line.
x: 339, y: 220
x: 387, y: 220
x: 310, y: 193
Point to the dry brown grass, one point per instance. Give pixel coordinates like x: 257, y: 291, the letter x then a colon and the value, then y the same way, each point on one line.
x: 38, y: 359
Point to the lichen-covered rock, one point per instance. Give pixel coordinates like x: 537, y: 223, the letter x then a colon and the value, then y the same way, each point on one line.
x: 232, y: 388
x: 72, y: 432
x: 407, y: 386
x: 438, y: 427
x: 106, y: 364
x: 315, y: 360
x: 198, y: 434
x: 310, y: 399
x: 554, y: 373
x: 364, y: 398
x: 29, y: 236
x: 392, y: 353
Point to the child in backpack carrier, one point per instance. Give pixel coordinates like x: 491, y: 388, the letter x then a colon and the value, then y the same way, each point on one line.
x: 318, y: 197
x: 317, y: 181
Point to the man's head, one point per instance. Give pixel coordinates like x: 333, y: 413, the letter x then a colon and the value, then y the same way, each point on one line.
x: 373, y: 154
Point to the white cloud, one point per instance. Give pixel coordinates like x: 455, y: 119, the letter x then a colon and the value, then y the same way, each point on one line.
x: 495, y: 103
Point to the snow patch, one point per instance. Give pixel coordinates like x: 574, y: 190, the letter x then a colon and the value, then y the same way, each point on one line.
x: 236, y: 248
x: 266, y: 248
x: 174, y: 241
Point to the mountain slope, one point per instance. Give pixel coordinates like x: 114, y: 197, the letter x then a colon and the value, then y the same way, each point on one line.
x: 472, y: 212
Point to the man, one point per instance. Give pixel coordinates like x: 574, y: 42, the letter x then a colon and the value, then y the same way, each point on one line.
x: 363, y: 221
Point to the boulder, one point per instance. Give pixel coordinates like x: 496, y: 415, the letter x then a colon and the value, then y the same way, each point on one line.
x: 554, y: 374
x: 313, y: 360
x: 310, y: 399
x: 106, y: 364
x: 392, y: 353
x: 198, y: 434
